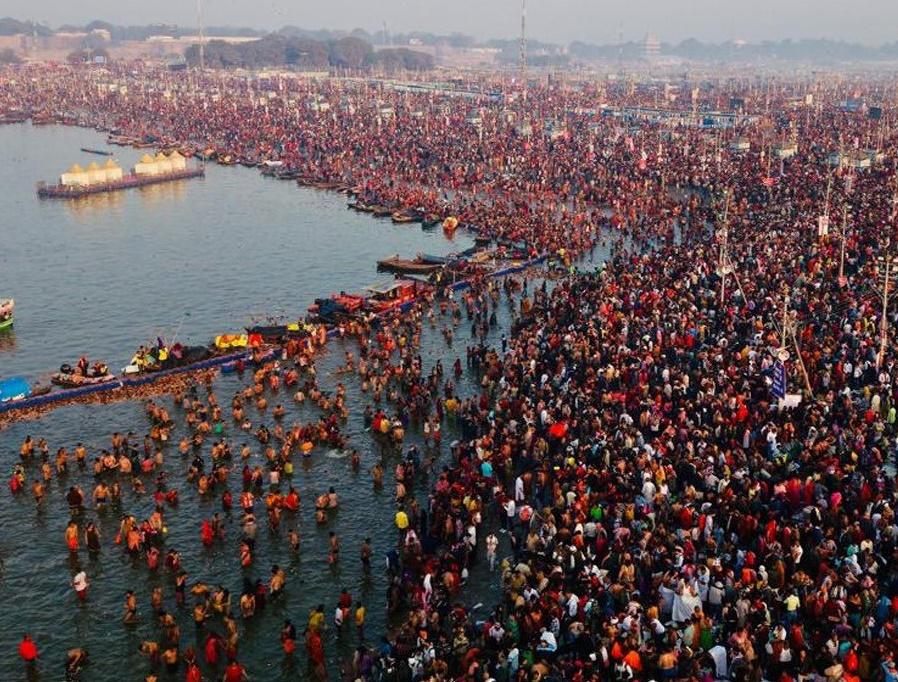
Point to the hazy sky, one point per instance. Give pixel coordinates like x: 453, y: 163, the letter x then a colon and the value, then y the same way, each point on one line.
x: 866, y: 21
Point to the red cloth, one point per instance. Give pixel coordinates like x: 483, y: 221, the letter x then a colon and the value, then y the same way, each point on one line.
x: 28, y: 650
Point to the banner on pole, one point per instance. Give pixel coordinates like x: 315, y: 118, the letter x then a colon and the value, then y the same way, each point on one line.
x: 778, y: 387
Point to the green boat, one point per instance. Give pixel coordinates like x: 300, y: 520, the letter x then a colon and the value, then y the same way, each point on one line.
x: 5, y: 324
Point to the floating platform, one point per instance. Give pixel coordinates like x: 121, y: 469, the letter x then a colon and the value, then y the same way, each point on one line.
x: 45, y: 191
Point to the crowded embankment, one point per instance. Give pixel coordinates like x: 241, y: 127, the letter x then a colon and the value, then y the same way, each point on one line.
x: 674, y: 464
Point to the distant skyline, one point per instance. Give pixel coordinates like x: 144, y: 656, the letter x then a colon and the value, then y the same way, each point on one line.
x: 560, y: 21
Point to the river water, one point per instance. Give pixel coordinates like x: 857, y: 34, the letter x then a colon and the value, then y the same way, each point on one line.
x: 195, y: 258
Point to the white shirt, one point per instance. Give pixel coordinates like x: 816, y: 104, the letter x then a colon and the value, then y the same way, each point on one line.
x: 510, y: 509
x: 547, y: 641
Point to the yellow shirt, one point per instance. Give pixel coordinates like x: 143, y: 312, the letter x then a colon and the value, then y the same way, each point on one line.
x: 401, y: 520
x: 360, y: 615
x: 316, y: 620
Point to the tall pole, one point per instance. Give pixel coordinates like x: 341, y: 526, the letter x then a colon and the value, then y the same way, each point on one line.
x: 884, y: 322
x: 842, y: 249
x: 522, y: 57
x: 199, y: 21
x: 723, y: 261
x: 785, y: 328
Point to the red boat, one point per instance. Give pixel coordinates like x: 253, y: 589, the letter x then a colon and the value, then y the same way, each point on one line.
x: 395, y: 294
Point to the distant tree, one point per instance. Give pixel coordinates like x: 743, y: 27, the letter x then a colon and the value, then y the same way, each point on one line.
x: 396, y: 58
x: 349, y: 53
x: 12, y: 27
x: 97, y: 25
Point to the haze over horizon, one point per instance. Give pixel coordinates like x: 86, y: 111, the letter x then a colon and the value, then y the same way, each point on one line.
x: 560, y: 21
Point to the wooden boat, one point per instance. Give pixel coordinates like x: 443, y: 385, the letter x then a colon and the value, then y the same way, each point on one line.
x: 382, y: 211
x: 360, y: 206
x: 407, y: 267
x: 14, y: 117
x: 430, y: 221
x: 336, y: 307
x: 275, y: 333
x: 88, y: 150
x: 71, y: 380
x: 326, y: 185
x: 436, y: 260
x: 393, y: 295
x: 405, y: 216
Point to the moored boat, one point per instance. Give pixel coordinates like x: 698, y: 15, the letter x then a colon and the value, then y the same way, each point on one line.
x: 336, y: 308
x: 73, y: 380
x: 273, y: 332
x: 418, y: 266
x: 396, y: 294
x: 88, y: 150
x: 407, y: 216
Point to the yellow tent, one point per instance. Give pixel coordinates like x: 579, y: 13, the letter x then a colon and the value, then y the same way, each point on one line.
x: 162, y: 163
x: 74, y: 176
x: 95, y: 173
x: 147, y: 166
x: 113, y: 171
x: 177, y: 161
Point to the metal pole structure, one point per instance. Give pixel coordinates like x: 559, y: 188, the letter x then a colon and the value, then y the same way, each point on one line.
x: 723, y: 262
x: 804, y: 371
x: 842, y: 249
x: 522, y: 57
x: 785, y: 330
x: 884, y: 322
x: 199, y: 21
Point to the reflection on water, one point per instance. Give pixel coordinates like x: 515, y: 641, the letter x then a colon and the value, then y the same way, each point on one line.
x: 164, y: 191
x: 92, y: 203
x: 7, y: 340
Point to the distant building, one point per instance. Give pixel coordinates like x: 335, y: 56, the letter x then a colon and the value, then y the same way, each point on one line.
x: 651, y: 47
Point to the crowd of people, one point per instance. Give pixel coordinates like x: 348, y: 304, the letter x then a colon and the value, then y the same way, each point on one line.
x: 626, y: 470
